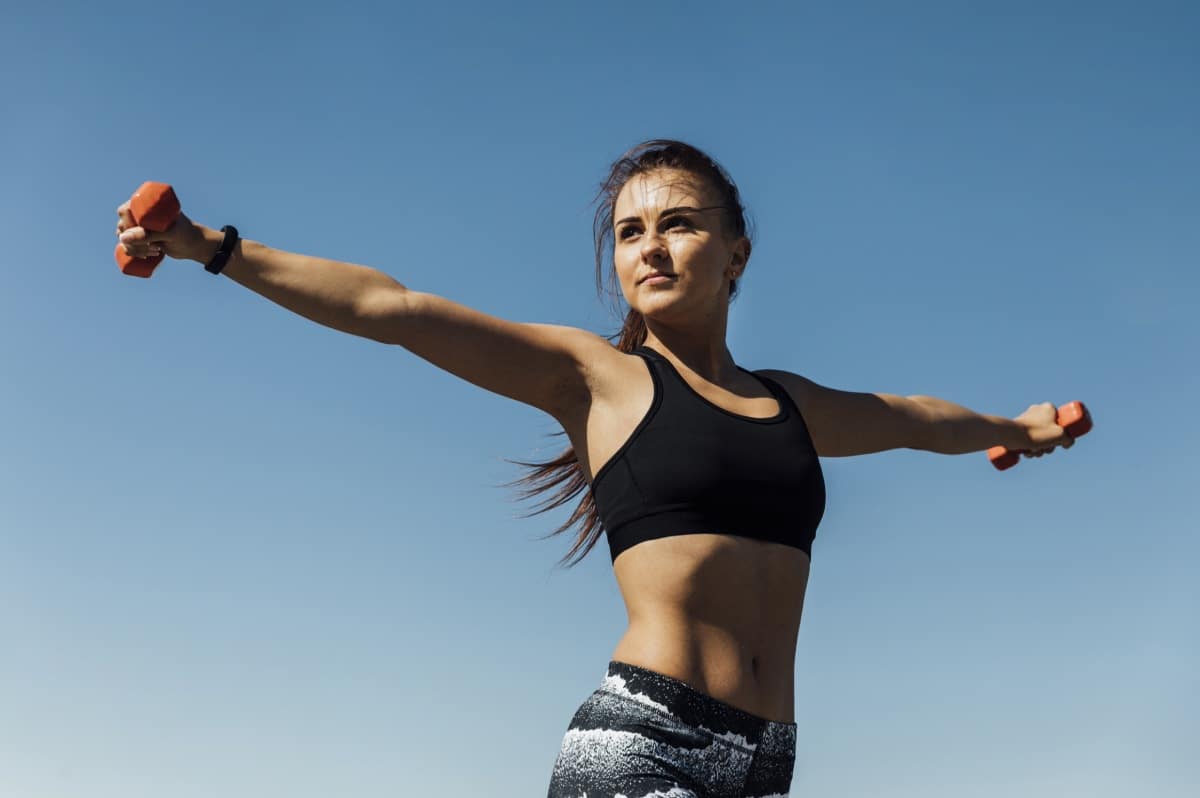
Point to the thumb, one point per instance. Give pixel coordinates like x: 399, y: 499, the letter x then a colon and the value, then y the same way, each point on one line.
x: 141, y: 235
x: 135, y: 235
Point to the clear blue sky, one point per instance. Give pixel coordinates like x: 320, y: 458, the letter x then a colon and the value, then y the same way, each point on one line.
x: 245, y: 555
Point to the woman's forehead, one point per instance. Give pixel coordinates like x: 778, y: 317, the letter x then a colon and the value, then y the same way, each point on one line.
x: 651, y: 191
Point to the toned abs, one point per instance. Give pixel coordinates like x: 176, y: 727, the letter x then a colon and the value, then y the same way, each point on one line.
x: 719, y: 612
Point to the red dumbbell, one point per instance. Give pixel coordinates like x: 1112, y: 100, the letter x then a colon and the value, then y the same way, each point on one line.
x: 155, y: 207
x: 1073, y: 417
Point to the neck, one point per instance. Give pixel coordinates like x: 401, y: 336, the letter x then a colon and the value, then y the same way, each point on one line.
x: 703, y: 351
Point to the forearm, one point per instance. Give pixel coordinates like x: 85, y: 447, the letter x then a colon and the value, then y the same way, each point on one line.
x: 328, y: 292
x: 959, y: 430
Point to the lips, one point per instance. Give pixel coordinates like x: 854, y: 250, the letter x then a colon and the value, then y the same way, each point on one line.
x: 655, y: 274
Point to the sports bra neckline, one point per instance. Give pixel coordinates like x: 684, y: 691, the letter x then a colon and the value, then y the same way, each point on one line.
x: 780, y: 416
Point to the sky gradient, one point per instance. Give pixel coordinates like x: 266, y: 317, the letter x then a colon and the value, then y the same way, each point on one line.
x: 245, y: 555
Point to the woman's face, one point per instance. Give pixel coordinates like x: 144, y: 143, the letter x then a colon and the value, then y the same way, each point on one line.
x: 665, y: 221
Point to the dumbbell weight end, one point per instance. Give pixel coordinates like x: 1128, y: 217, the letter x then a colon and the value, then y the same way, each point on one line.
x: 155, y: 207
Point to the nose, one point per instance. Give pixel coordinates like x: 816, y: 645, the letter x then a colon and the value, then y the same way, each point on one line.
x: 653, y: 249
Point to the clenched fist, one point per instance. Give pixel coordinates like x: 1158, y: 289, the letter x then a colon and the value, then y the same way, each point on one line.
x: 184, y: 240
x: 1044, y: 433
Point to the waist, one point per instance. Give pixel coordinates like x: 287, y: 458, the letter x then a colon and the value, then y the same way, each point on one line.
x: 756, y: 679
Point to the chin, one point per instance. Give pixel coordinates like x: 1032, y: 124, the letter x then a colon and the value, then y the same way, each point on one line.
x: 662, y: 311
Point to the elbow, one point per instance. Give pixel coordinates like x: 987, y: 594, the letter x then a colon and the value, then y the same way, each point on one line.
x: 383, y: 312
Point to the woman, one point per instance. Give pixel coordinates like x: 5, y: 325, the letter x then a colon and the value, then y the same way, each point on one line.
x: 704, y: 476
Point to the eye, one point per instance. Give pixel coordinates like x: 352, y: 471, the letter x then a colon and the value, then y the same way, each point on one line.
x: 676, y: 221
x: 625, y: 231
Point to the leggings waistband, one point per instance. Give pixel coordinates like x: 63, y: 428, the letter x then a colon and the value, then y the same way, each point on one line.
x: 689, y: 705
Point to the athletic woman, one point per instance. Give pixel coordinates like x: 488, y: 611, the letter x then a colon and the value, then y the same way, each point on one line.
x: 704, y: 476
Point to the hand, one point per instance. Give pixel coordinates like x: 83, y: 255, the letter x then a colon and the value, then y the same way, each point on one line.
x: 185, y: 240
x: 1042, y: 430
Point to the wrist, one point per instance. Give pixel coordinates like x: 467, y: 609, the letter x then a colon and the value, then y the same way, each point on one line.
x: 207, y: 246
x: 1016, y: 435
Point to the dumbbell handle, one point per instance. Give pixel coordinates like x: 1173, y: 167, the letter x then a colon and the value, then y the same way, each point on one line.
x: 155, y: 207
x: 1073, y: 417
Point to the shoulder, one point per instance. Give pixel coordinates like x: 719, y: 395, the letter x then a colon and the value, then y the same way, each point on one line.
x: 801, y: 389
x: 817, y: 404
x: 843, y: 423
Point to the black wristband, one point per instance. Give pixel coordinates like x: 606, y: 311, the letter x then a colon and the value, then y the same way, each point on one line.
x: 224, y: 251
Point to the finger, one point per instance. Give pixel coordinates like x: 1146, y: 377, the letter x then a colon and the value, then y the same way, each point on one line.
x: 143, y: 253
x: 138, y: 244
x: 133, y: 235
x: 140, y: 235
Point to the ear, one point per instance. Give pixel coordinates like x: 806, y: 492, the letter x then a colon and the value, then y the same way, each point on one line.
x: 741, y: 253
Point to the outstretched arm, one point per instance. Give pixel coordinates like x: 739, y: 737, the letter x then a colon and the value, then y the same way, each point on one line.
x: 954, y: 429
x: 846, y: 423
x: 543, y: 365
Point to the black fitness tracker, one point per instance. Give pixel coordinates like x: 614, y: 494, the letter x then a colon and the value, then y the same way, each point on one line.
x: 224, y: 251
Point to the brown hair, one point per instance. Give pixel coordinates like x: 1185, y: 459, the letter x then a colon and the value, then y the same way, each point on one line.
x: 648, y: 156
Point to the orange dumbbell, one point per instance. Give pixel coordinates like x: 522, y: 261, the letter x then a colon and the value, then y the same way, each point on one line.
x: 1073, y: 417
x: 155, y: 207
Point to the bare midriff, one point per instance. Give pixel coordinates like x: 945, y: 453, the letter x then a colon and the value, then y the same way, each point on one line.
x: 719, y: 613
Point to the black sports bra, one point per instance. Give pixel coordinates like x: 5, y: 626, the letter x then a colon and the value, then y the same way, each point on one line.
x: 691, y: 466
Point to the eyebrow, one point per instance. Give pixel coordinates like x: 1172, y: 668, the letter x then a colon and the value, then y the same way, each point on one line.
x: 669, y: 211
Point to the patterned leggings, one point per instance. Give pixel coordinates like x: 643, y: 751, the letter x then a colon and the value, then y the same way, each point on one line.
x: 643, y: 734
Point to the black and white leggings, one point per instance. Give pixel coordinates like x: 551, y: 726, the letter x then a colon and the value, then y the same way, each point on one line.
x: 645, y: 735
